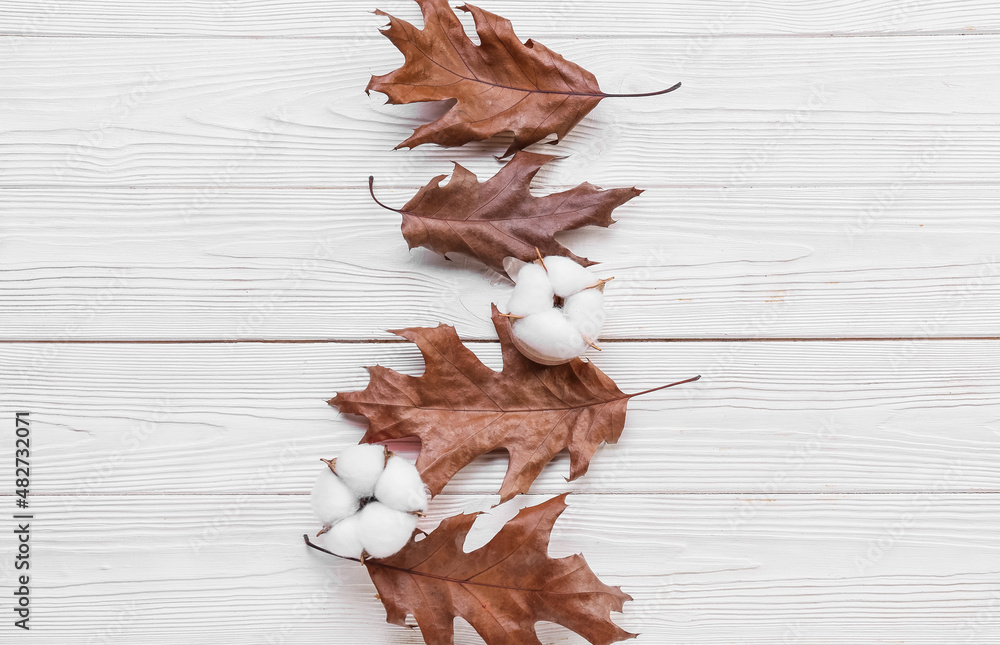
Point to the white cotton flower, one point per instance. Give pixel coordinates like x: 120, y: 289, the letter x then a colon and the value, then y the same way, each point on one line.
x: 400, y: 486
x: 557, y: 306
x: 360, y: 467
x: 378, y: 521
x: 585, y: 309
x: 331, y: 499
x: 566, y: 276
x: 344, y: 538
x: 383, y: 530
x: 549, y: 337
x: 534, y: 292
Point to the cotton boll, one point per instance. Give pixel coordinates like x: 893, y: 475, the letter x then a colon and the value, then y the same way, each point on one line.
x: 344, y: 537
x: 548, y: 338
x: 532, y: 293
x: 400, y: 486
x: 557, y: 306
x: 360, y: 467
x: 331, y: 499
x: 384, y: 530
x: 586, y: 311
x: 566, y: 276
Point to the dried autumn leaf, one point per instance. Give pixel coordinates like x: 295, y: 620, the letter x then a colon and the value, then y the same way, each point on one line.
x: 460, y: 408
x: 502, y: 588
x: 500, y: 217
x: 499, y: 85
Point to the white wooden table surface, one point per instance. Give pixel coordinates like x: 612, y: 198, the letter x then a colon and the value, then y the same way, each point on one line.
x: 191, y: 266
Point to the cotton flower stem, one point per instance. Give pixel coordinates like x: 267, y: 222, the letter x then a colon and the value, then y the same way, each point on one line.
x: 600, y: 283
x: 371, y: 189
x: 594, y: 346
x: 663, y: 387
x: 512, y: 316
x: 319, y: 548
x: 540, y: 260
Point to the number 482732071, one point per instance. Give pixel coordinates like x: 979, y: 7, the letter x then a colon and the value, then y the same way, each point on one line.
x: 22, y: 454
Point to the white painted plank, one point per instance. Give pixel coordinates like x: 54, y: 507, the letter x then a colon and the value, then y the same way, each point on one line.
x: 763, y: 219
x: 766, y: 417
x: 819, y: 569
x: 689, y: 263
x: 321, y: 18
x: 754, y: 112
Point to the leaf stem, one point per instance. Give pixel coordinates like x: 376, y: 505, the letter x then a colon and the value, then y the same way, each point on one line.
x: 657, y: 93
x: 371, y: 189
x: 663, y: 387
x: 319, y: 548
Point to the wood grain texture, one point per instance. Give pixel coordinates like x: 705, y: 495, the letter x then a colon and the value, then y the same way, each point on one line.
x: 820, y: 569
x: 215, y: 114
x: 689, y: 263
x: 766, y: 417
x: 587, y: 18
x: 195, y: 170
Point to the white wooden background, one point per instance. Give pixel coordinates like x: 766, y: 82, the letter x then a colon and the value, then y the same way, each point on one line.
x: 191, y: 266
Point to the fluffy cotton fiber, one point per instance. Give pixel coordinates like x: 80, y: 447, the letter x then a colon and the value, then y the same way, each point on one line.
x: 533, y: 293
x: 360, y: 467
x: 384, y: 530
x: 331, y: 499
x: 368, y: 500
x: 344, y: 538
x: 566, y: 276
x: 400, y: 486
x: 558, y: 306
x: 550, y: 335
x: 585, y: 309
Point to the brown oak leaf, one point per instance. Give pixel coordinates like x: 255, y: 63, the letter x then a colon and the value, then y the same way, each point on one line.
x: 502, y: 588
x: 498, y: 86
x: 500, y: 217
x: 460, y: 408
